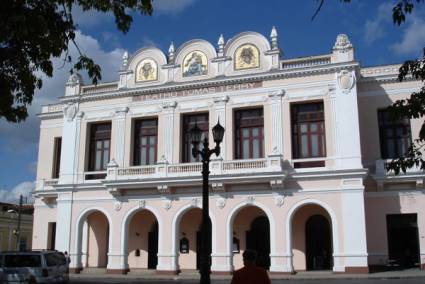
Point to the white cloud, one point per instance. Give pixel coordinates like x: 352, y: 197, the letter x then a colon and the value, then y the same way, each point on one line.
x: 413, y: 38
x: 12, y: 196
x: 90, y: 18
x: 374, y: 29
x: 146, y: 41
x: 24, y: 135
x: 170, y: 6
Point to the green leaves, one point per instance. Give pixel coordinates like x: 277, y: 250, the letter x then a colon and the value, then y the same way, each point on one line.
x: 403, y: 8
x: 88, y: 64
x: 32, y: 32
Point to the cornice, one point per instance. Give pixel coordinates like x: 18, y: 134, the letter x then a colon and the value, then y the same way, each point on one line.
x: 393, y: 78
x: 270, y: 75
x: 50, y: 115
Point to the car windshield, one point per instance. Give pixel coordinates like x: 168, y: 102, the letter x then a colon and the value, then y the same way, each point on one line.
x: 22, y: 260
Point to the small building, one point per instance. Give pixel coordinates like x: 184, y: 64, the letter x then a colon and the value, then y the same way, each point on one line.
x: 9, y: 226
x: 301, y: 176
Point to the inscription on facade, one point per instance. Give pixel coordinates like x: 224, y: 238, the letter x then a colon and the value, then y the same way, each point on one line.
x: 198, y: 91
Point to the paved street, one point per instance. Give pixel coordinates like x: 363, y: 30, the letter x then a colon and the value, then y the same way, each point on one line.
x: 300, y: 281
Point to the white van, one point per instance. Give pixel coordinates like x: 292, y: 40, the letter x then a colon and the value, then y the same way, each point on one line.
x: 34, y: 267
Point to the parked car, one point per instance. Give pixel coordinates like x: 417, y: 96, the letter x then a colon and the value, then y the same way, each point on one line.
x: 34, y: 267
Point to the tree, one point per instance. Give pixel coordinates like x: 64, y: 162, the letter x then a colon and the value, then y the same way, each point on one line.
x: 33, y: 32
x: 413, y: 107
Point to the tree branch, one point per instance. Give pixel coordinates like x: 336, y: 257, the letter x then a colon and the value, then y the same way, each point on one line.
x: 318, y: 9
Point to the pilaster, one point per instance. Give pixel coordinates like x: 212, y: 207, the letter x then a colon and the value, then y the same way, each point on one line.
x: 277, y: 121
x: 220, y: 115
x: 71, y: 132
x: 63, y: 227
x: 167, y: 263
x: 345, y: 128
x: 115, y: 261
x: 221, y: 263
x: 168, y: 129
x: 354, y: 255
x: 120, y: 120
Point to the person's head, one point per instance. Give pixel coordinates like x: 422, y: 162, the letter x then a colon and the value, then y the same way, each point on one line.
x: 65, y: 252
x: 249, y: 257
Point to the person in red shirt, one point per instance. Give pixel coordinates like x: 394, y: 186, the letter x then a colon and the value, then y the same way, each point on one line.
x: 250, y: 273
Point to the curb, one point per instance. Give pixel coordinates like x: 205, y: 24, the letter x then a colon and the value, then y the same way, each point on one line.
x: 273, y: 277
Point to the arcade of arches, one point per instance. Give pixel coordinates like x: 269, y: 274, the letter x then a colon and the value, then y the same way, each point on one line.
x: 311, y: 234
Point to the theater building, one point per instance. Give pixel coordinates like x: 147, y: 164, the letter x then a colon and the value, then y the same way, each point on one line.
x: 301, y: 176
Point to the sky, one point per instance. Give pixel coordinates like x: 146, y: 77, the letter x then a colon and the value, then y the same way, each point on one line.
x: 368, y: 23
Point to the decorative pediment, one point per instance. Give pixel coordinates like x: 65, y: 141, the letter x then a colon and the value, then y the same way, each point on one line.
x: 248, y: 52
x: 144, y: 67
x: 193, y: 58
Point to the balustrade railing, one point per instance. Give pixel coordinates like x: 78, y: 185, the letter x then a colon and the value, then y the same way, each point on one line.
x: 131, y: 171
x: 52, y: 108
x: 45, y: 184
x: 245, y: 164
x: 305, y: 62
x: 101, y: 88
x: 185, y: 168
x: 217, y: 167
x: 381, y: 168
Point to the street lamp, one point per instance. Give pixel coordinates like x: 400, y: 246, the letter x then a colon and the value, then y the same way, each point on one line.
x: 17, y: 232
x: 205, y: 153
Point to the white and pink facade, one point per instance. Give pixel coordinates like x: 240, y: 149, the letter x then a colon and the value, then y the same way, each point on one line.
x: 301, y: 176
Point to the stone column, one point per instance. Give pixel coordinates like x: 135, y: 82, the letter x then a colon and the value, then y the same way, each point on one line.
x: 222, y: 255
x: 354, y: 254
x: 220, y: 115
x: 71, y: 132
x: 120, y: 119
x: 276, y: 114
x: 63, y: 223
x: 168, y: 130
x: 167, y: 254
x: 346, y: 133
x: 84, y: 244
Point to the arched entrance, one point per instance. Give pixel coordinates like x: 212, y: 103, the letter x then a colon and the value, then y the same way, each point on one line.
x: 318, y: 243
x: 153, y: 247
x: 188, y: 239
x: 258, y: 239
x: 251, y: 230
x: 142, y: 242
x: 97, y: 240
x: 311, y: 236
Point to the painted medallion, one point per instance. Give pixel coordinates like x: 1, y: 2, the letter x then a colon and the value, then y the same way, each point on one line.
x: 195, y: 64
x: 247, y: 56
x: 147, y: 70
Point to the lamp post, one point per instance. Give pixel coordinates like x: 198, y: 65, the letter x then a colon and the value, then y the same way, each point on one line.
x: 205, y: 153
x: 18, y: 229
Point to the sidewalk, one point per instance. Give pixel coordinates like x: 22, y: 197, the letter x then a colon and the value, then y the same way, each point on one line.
x: 143, y: 274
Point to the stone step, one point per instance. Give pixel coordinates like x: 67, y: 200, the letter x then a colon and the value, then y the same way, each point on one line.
x: 94, y: 270
x: 141, y: 271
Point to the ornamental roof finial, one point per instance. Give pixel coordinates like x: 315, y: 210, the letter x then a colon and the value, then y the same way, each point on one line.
x: 273, y: 37
x: 342, y: 43
x: 220, y: 45
x: 124, y: 60
x: 171, y: 53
